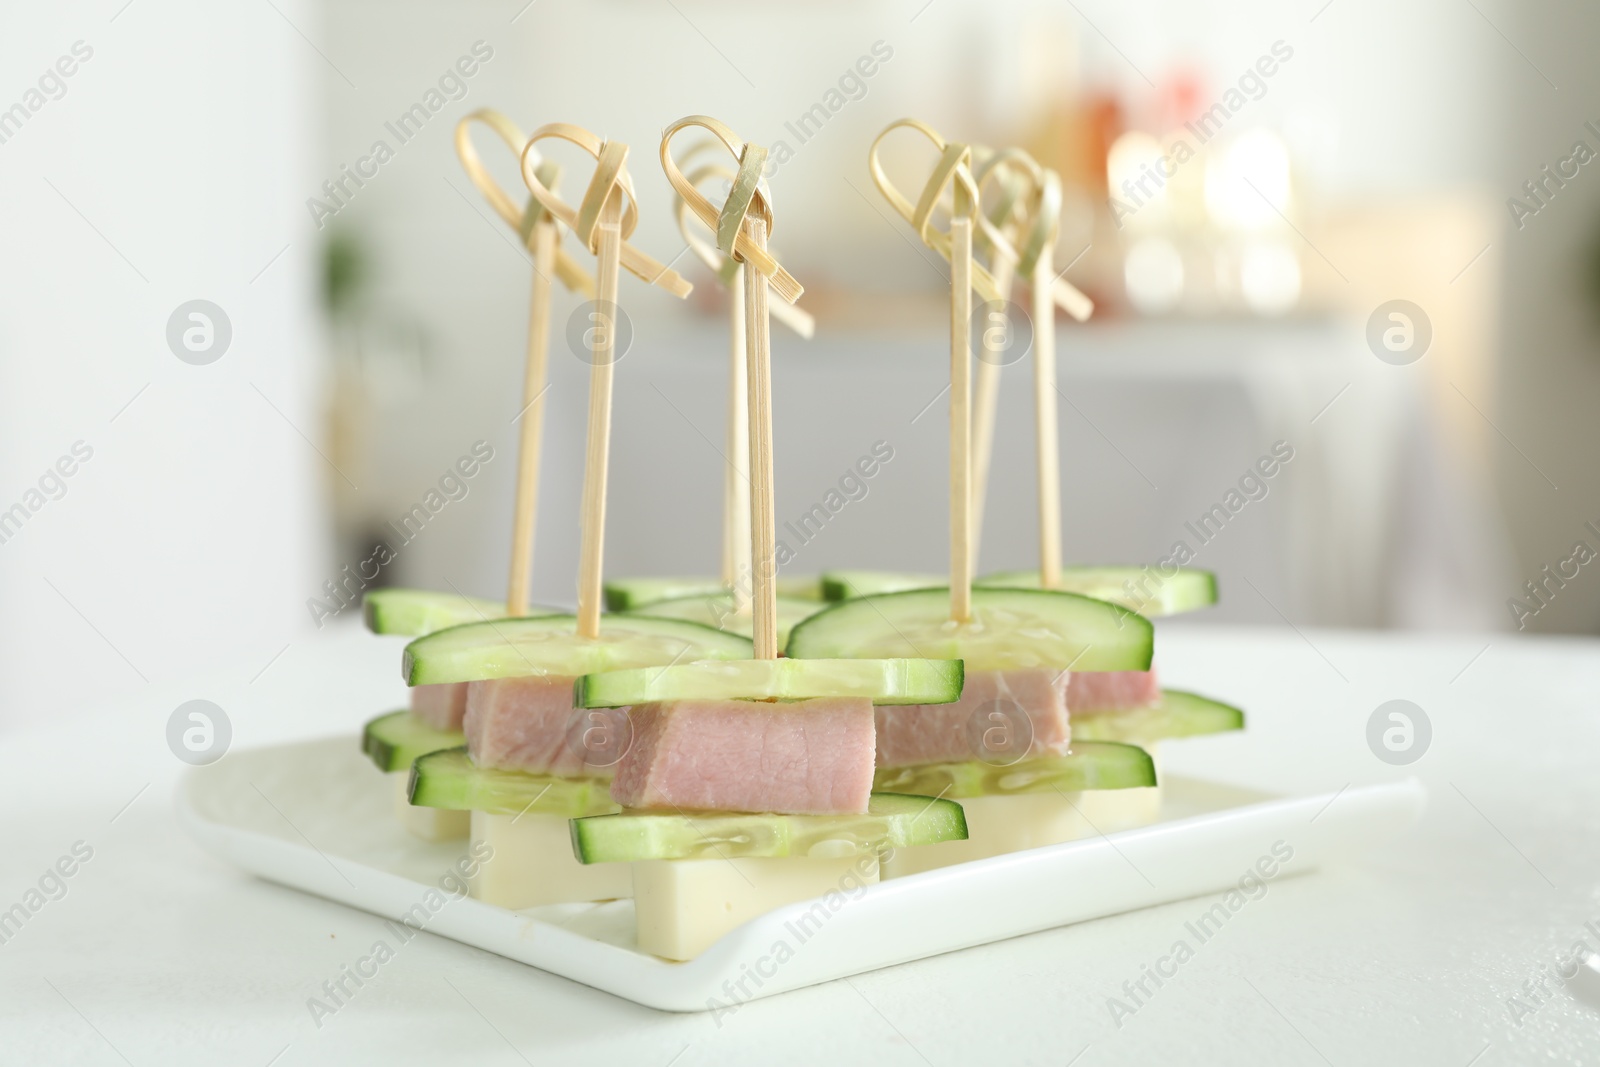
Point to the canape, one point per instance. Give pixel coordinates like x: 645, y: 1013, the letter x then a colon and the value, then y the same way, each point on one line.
x: 395, y: 739
x: 531, y: 758
x: 749, y: 785
x: 1005, y: 749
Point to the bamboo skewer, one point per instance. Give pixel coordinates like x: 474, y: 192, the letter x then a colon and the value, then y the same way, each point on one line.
x: 736, y: 564
x: 597, y: 453
x: 1038, y: 222
x: 742, y: 226
x: 985, y: 401
x: 1002, y: 218
x: 541, y: 235
x: 952, y: 172
x: 763, y: 522
x: 528, y: 441
x: 736, y: 533
x: 725, y: 267
x: 960, y: 415
x: 603, y: 222
x: 1044, y: 412
x: 1037, y: 261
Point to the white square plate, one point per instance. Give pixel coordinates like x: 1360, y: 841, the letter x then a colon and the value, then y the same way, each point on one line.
x: 316, y: 816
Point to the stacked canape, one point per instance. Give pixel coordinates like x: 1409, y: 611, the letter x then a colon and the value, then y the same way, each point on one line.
x: 1124, y: 706
x: 1006, y: 749
x: 749, y: 785
x: 532, y: 758
x: 666, y: 751
x: 437, y: 712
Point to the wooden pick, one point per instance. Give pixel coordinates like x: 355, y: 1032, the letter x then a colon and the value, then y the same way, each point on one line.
x: 736, y: 538
x: 1046, y: 443
x: 1039, y: 222
x: 603, y: 222
x: 573, y: 276
x: 584, y: 221
x: 725, y: 267
x: 953, y: 169
x: 763, y: 511
x: 1002, y: 217
x: 952, y: 173
x: 541, y: 234
x: 734, y: 240
x: 742, y: 226
x: 985, y: 402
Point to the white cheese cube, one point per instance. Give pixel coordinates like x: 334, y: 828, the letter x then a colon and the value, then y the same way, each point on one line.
x: 683, y: 906
x: 531, y: 863
x: 1000, y: 824
x: 1111, y: 810
x: 430, y: 824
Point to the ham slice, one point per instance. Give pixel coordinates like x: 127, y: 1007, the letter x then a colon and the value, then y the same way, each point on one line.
x: 530, y: 724
x: 440, y: 706
x: 1002, y: 716
x: 1092, y: 691
x: 806, y: 757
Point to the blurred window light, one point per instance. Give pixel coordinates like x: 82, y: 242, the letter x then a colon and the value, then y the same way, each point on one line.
x: 1137, y: 171
x: 1153, y: 274
x: 1269, y: 277
x: 1247, y: 185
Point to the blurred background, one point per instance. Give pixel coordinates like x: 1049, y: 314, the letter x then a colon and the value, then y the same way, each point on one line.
x: 1359, y: 232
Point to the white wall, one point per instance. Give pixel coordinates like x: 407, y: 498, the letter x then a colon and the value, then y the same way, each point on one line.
x: 170, y: 170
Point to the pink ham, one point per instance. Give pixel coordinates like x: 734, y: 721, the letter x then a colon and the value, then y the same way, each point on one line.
x: 991, y: 721
x: 808, y: 757
x: 440, y: 706
x: 530, y: 724
x: 1092, y: 691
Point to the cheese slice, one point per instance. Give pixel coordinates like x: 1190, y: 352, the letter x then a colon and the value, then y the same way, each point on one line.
x: 530, y: 862
x: 683, y: 906
x: 1000, y: 824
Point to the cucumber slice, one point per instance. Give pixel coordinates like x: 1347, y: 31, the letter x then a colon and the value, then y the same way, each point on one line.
x: 892, y: 821
x: 549, y: 644
x: 1179, y: 714
x: 883, y: 681
x: 848, y: 584
x: 450, y: 780
x: 414, y: 612
x: 717, y: 612
x: 631, y: 594
x: 800, y: 588
x: 1148, y: 593
x: 396, y: 739
x: 1185, y: 591
x: 1090, y: 765
x: 1009, y: 629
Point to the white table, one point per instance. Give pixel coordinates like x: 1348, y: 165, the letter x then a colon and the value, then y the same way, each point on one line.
x: 161, y: 955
